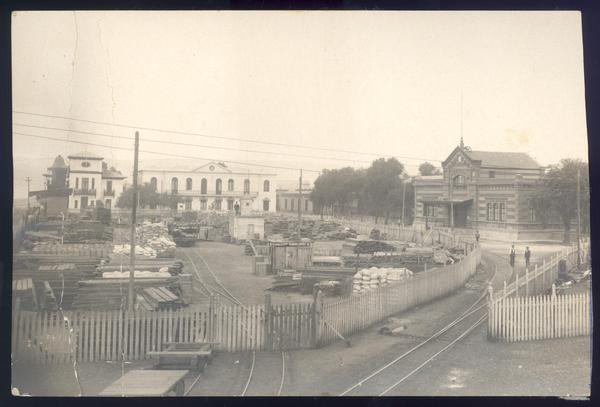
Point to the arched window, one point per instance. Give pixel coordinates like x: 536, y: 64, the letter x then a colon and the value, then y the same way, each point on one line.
x: 246, y: 186
x: 188, y: 184
x: 218, y: 186
x: 230, y: 185
x: 203, y: 186
x: 174, y: 185
x: 458, y: 181
x: 266, y: 185
x: 153, y: 183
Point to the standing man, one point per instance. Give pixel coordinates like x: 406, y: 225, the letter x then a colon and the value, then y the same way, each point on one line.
x: 512, y: 255
x: 477, y: 236
x: 236, y: 207
x: 527, y: 256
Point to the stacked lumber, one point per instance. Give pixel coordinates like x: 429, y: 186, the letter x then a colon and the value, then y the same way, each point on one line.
x: 161, y: 298
x: 327, y: 261
x: 74, y: 249
x: 61, y: 278
x: 107, y: 294
x: 24, y: 291
x: 121, y: 263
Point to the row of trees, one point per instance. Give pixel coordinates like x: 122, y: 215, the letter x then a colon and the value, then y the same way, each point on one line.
x: 148, y: 197
x: 380, y: 190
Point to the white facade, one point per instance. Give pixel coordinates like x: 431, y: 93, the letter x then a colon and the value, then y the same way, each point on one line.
x: 91, y: 180
x: 216, y: 186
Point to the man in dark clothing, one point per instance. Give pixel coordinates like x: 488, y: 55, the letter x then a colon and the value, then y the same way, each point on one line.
x: 477, y: 236
x: 237, y: 208
x: 512, y: 255
x: 527, y: 256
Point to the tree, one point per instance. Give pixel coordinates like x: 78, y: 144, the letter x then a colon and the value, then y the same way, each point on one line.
x: 148, y: 197
x: 338, y: 188
x: 429, y: 169
x: 383, y: 187
x: 556, y: 194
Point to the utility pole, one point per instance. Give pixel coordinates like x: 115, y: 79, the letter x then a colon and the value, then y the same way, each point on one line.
x: 578, y: 218
x: 300, y: 206
x: 403, y: 199
x: 133, y: 222
x: 28, y: 181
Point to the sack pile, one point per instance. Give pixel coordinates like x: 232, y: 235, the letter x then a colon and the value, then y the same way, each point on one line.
x: 372, y: 278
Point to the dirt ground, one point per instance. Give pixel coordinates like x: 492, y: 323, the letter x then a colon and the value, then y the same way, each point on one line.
x: 474, y: 366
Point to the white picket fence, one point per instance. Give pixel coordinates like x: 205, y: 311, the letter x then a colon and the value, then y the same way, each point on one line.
x: 518, y: 312
x: 539, y: 317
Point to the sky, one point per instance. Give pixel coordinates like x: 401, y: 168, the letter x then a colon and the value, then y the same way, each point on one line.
x: 406, y: 84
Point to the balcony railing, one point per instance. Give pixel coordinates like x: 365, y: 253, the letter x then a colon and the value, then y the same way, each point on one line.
x: 109, y: 193
x: 214, y: 193
x: 86, y: 191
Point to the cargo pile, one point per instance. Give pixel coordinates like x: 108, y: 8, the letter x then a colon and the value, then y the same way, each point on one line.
x: 73, y: 249
x: 287, y: 228
x: 372, y: 246
x: 152, y: 241
x: 373, y: 278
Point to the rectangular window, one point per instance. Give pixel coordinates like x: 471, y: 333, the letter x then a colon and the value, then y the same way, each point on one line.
x: 75, y: 204
x: 77, y: 183
x: 188, y: 205
x: 218, y: 204
x: 429, y: 210
x: 229, y: 204
x: 203, y: 204
x: 108, y: 203
x: 292, y: 201
x: 108, y: 186
x: 492, y: 174
x: 531, y: 214
x: 285, y: 203
x: 85, y: 183
x: 496, y: 212
x: 306, y: 205
x: 93, y: 179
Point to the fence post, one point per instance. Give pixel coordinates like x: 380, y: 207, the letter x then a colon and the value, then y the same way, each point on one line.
x: 527, y: 281
x: 504, y: 290
x: 268, y: 323
x: 516, y: 283
x: 543, y: 275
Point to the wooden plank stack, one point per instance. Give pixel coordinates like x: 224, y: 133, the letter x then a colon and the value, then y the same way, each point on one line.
x: 24, y: 290
x: 161, y: 298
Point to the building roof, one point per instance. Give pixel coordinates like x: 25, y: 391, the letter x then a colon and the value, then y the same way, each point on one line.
x: 503, y: 159
x: 59, y: 162
x: 86, y: 156
x: 112, y: 173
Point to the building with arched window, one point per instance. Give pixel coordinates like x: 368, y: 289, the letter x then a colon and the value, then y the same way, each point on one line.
x: 252, y: 189
x: 484, y: 190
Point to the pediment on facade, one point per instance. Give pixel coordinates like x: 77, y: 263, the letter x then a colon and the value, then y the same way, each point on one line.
x: 212, y: 167
x: 457, y: 157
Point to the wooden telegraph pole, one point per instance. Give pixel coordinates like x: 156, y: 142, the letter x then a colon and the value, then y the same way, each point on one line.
x: 578, y: 218
x: 403, y: 198
x: 133, y: 222
x: 300, y: 206
x: 28, y: 181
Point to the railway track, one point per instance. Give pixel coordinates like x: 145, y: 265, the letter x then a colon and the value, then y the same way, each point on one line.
x: 216, y: 287
x: 389, y: 377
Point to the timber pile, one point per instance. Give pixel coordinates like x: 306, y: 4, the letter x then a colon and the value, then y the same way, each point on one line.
x: 372, y: 246
x: 62, y: 278
x: 161, y: 298
x: 121, y: 264
x: 74, y: 249
x: 24, y: 290
x: 111, y: 294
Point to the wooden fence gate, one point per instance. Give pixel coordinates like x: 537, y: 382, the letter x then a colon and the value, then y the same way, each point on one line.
x: 289, y: 326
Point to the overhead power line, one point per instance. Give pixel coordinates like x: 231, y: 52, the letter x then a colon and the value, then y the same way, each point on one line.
x: 193, y: 144
x: 129, y: 126
x: 163, y: 153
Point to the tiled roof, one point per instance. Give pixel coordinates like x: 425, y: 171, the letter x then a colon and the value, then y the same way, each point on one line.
x: 504, y: 160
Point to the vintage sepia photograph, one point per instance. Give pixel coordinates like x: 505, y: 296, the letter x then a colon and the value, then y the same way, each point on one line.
x: 300, y: 203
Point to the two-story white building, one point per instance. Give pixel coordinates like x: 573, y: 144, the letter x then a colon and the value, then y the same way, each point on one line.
x: 92, y: 180
x: 216, y: 186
